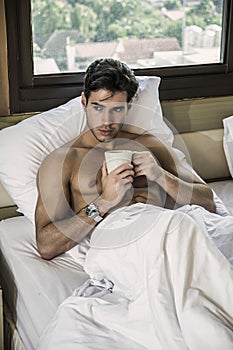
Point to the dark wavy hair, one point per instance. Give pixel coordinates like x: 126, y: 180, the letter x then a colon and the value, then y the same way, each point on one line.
x: 112, y: 75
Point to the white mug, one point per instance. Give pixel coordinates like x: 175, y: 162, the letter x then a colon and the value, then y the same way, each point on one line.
x: 115, y: 158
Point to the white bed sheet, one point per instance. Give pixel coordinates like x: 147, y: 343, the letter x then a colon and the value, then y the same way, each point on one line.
x: 33, y: 287
x: 167, y: 292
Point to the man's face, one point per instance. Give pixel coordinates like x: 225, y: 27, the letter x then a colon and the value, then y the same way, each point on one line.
x: 105, y: 113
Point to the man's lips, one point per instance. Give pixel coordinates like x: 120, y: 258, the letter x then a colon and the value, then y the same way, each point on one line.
x: 105, y: 132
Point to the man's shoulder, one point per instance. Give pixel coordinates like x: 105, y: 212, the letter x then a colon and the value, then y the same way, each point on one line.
x: 131, y: 133
x: 147, y: 137
x: 152, y: 142
x: 137, y: 133
x: 143, y: 137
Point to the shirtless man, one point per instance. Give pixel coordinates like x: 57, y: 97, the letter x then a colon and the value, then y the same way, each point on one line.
x: 75, y: 190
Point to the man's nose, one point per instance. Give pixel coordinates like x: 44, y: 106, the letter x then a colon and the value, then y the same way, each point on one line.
x: 106, y: 117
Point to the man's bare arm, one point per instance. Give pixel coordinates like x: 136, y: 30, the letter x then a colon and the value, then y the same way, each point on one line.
x: 55, y: 238
x: 58, y: 227
x: 166, y: 169
x: 183, y: 192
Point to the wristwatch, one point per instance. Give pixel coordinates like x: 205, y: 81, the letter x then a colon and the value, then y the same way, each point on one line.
x: 92, y: 212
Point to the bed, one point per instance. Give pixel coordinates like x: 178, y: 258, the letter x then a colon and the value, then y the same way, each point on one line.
x: 34, y: 288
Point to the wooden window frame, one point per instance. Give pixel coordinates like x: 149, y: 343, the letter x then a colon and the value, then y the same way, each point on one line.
x: 29, y: 93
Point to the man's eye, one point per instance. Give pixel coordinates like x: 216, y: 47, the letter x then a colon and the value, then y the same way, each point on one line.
x: 98, y: 108
x: 119, y: 109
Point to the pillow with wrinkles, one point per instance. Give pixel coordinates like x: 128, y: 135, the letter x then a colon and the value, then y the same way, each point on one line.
x: 228, y: 142
x: 25, y: 145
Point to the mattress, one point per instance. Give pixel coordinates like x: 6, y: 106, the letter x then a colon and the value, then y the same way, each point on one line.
x: 33, y: 287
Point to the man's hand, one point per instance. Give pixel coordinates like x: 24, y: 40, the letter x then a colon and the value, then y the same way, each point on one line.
x: 146, y: 164
x: 117, y: 183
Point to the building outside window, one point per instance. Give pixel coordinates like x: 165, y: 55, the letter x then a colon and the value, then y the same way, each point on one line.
x: 69, y: 34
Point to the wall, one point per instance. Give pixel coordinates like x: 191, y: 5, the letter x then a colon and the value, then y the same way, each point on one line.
x: 198, y: 114
x: 4, y: 87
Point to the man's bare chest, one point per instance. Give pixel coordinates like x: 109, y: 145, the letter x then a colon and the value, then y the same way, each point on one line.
x: 86, y: 182
x: 85, y: 185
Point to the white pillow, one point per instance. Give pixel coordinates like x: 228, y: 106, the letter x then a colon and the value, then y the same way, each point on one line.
x: 228, y: 142
x: 25, y: 145
x: 146, y: 110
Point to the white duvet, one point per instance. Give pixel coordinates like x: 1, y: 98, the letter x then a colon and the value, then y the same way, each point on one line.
x: 157, y: 281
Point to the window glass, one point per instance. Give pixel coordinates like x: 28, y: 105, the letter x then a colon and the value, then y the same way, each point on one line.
x: 69, y: 34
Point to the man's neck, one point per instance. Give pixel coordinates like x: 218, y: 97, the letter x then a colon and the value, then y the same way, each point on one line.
x: 88, y: 140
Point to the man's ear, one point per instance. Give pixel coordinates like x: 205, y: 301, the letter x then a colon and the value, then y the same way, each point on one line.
x: 130, y: 104
x: 84, y: 100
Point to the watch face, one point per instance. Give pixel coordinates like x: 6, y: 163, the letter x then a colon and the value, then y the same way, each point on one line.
x: 91, y: 209
x: 93, y: 212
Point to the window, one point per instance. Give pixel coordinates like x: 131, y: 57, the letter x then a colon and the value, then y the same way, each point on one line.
x: 68, y: 35
x: 188, y: 43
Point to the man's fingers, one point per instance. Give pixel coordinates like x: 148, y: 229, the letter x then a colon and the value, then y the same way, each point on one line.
x: 126, y: 183
x: 122, y: 168
x: 126, y: 173
x: 139, y: 173
x: 104, y: 169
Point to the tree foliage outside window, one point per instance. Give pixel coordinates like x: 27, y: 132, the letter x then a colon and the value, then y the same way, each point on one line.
x: 67, y: 23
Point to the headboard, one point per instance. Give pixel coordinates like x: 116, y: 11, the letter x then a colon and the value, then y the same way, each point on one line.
x: 204, y: 151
